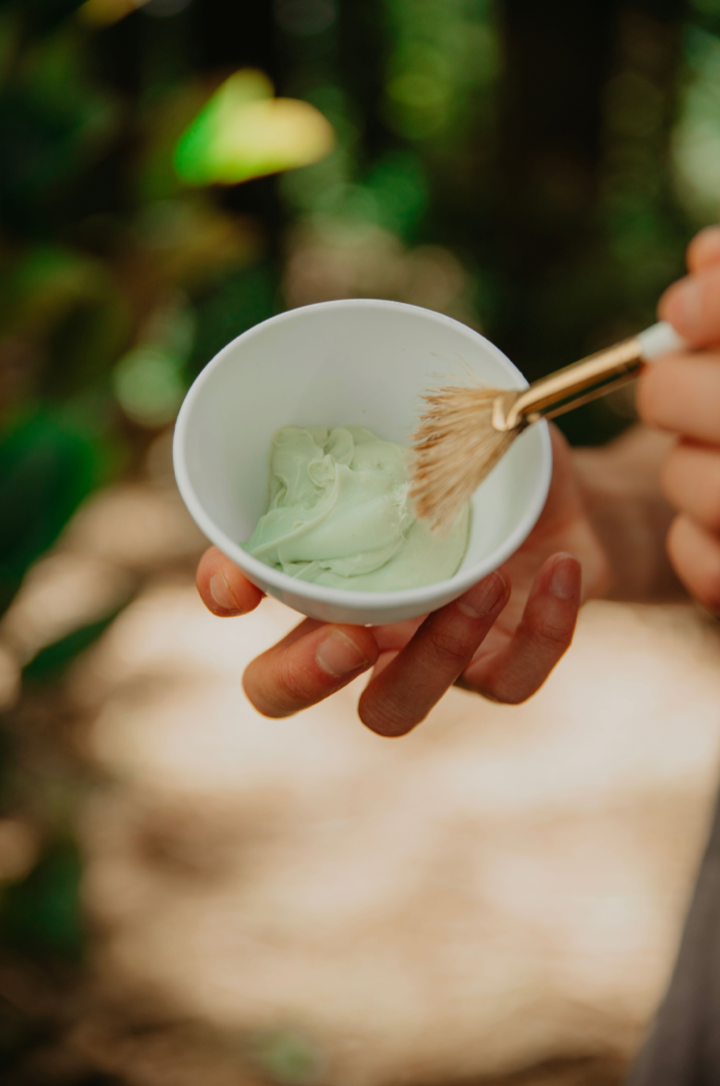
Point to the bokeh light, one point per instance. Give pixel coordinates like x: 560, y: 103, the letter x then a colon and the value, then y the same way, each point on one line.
x: 305, y: 18
x: 106, y: 12
x: 148, y: 384
x: 244, y: 132
x: 101, y: 13
x: 696, y: 144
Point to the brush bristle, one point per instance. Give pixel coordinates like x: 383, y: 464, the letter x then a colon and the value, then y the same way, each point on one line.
x: 455, y: 446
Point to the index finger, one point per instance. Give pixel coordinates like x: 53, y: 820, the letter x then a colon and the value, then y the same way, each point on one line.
x: 704, y: 249
x: 681, y: 394
x: 403, y: 693
x: 223, y: 588
x: 692, y: 306
x: 314, y: 661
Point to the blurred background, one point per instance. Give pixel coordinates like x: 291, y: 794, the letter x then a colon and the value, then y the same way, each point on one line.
x: 190, y: 894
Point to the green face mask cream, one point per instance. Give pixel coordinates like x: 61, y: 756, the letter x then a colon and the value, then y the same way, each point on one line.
x: 339, y: 514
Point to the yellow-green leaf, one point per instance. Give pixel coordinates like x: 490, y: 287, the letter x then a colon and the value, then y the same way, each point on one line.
x: 243, y: 132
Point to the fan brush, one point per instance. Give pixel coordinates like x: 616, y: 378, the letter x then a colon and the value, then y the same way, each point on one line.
x: 466, y: 430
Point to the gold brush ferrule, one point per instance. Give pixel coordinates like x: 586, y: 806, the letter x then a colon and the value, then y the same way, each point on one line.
x: 570, y: 387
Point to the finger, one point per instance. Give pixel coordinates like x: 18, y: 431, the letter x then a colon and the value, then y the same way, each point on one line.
x: 704, y: 249
x: 382, y: 662
x: 681, y: 393
x: 404, y: 692
x: 691, y: 482
x: 307, y: 666
x: 396, y: 635
x: 543, y: 635
x: 695, y: 555
x: 223, y: 588
x: 692, y: 306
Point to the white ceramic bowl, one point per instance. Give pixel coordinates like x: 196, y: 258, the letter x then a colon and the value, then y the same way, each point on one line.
x: 355, y: 361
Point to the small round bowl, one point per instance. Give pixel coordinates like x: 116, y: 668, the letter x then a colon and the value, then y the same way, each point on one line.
x: 356, y: 361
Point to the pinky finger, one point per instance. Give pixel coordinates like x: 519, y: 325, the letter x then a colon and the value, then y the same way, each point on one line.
x: 541, y: 639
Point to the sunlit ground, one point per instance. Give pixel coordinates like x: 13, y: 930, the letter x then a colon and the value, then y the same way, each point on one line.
x: 499, y: 890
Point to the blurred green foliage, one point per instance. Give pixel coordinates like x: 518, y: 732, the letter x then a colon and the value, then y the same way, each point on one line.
x: 50, y: 662
x: 561, y: 154
x: 241, y: 301
x: 40, y: 916
x: 51, y: 457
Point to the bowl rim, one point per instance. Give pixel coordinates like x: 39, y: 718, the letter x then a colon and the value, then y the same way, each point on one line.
x: 353, y: 598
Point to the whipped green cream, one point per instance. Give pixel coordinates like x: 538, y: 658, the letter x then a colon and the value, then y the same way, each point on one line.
x: 339, y: 514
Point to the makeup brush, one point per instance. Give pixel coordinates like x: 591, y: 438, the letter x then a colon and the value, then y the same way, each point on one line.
x: 466, y: 430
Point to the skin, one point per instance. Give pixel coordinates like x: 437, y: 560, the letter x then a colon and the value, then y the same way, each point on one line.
x: 602, y: 534
x: 680, y: 394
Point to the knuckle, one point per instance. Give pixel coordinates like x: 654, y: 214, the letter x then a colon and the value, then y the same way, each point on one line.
x: 446, y: 648
x: 292, y: 682
x: 553, y: 637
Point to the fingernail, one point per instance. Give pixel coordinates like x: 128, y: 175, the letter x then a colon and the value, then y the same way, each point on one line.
x: 564, y: 579
x: 338, y: 654
x: 685, y: 303
x: 220, y: 592
x: 481, y: 599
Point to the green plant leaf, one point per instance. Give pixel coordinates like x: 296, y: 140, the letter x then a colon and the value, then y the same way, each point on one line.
x: 49, y: 462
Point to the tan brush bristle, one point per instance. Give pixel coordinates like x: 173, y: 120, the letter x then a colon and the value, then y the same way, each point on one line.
x: 455, y: 446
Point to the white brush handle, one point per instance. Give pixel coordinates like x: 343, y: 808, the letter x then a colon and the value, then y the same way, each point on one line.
x: 658, y: 340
